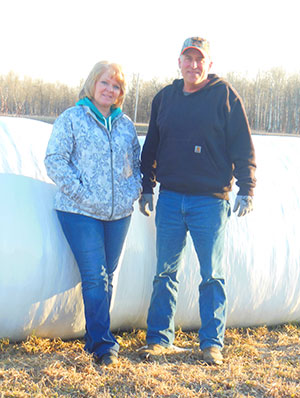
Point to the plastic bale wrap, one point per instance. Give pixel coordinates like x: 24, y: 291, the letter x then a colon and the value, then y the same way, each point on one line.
x: 40, y: 290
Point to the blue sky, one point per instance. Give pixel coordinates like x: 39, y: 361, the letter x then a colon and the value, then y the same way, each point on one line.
x: 62, y: 40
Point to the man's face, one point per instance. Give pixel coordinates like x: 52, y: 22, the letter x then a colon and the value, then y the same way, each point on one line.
x: 194, y: 68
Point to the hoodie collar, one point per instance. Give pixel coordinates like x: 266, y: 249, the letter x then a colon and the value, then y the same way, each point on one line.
x: 107, y: 122
x: 213, y: 81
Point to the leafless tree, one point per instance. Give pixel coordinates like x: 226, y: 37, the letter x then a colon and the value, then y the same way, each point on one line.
x: 272, y: 98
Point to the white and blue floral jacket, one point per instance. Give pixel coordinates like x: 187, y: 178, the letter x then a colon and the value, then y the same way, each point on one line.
x: 96, y: 167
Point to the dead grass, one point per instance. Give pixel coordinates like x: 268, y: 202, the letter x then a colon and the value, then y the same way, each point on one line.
x: 259, y: 362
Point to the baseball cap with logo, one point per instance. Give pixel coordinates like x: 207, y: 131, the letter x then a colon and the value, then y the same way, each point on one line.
x: 198, y: 43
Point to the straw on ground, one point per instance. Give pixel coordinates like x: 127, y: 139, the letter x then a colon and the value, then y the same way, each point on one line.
x: 259, y: 362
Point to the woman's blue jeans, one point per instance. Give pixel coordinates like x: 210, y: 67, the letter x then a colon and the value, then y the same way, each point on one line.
x: 96, y: 246
x: 205, y: 217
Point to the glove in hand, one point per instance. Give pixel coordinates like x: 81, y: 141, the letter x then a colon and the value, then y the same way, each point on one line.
x: 146, y: 199
x: 243, y: 204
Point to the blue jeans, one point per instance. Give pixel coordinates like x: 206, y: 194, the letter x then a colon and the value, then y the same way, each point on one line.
x: 205, y: 217
x: 96, y: 246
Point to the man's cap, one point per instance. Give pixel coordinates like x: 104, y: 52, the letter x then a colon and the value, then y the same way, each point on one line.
x: 198, y: 43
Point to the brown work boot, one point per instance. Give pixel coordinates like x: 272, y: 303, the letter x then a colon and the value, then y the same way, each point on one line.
x: 106, y: 359
x: 152, y: 350
x: 212, y: 356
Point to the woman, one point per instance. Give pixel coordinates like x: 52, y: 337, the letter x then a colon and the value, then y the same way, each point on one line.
x: 93, y: 158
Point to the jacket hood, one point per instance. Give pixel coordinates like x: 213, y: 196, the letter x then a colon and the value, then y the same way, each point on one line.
x: 105, y: 121
x: 214, y: 81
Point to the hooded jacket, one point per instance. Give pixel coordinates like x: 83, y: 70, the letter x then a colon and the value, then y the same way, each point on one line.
x: 94, y: 163
x: 198, y: 142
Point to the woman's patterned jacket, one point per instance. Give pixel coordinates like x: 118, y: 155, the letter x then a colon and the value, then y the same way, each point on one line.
x: 96, y: 170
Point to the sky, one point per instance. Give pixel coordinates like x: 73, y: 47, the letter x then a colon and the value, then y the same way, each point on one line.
x: 61, y: 40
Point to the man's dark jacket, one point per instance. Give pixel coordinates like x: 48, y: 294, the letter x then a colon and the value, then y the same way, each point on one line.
x: 197, y: 143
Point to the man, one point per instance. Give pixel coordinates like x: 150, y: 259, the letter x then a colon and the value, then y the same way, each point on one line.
x: 198, y: 140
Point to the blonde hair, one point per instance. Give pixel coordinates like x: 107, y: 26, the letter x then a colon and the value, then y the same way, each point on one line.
x: 88, y: 89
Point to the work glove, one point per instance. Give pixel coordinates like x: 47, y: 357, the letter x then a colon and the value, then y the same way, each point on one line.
x: 243, y: 204
x: 146, y: 199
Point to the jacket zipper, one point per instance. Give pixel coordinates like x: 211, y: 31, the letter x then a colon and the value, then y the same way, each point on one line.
x: 111, y: 160
x: 112, y: 178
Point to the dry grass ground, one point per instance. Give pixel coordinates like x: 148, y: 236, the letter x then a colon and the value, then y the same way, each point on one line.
x: 259, y: 362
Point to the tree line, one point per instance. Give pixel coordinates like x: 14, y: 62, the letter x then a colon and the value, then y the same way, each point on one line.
x: 271, y: 99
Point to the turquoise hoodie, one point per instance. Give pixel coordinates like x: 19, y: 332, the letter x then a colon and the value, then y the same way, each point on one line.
x: 105, y: 121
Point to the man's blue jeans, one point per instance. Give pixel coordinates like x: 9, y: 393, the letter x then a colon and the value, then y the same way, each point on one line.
x: 205, y: 217
x: 96, y: 246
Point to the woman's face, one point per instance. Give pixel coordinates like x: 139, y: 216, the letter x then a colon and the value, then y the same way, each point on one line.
x: 107, y: 91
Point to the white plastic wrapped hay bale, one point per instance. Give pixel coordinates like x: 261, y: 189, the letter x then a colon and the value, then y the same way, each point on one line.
x: 39, y: 282
x: 40, y: 288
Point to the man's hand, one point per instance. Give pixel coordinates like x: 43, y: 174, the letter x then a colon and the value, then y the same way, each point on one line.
x: 146, y: 199
x: 244, y: 204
